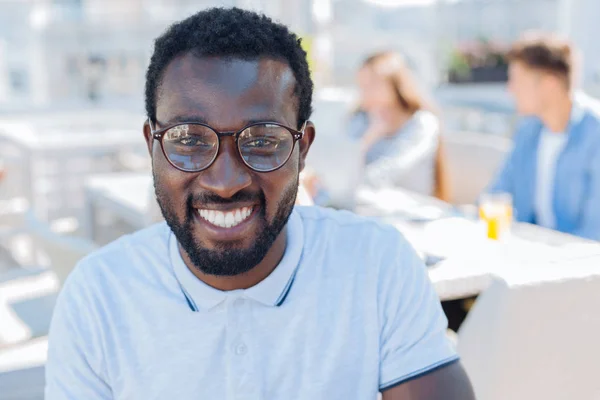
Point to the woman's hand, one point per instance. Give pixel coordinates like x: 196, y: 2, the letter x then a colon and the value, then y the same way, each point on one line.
x: 381, y: 125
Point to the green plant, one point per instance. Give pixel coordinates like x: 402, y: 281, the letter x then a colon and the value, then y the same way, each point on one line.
x: 459, y: 64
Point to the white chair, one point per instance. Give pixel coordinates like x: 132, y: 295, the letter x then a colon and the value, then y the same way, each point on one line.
x: 22, y: 370
x: 13, y: 201
x: 473, y: 160
x: 535, y: 335
x: 62, y: 252
x: 12, y: 231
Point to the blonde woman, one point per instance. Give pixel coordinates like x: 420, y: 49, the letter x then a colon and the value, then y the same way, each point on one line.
x: 398, y: 130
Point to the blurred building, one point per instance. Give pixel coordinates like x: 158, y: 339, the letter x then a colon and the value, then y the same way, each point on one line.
x: 503, y: 21
x: 584, y: 29
x: 361, y: 27
x: 74, y: 52
x: 500, y: 20
x: 80, y: 52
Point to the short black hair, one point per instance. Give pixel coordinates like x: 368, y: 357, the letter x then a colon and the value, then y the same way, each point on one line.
x: 232, y: 33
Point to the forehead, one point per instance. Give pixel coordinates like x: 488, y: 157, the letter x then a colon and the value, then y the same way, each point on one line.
x: 519, y: 69
x: 366, y: 74
x: 368, y: 77
x: 225, y: 91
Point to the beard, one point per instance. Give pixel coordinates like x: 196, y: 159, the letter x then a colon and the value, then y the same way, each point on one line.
x: 226, y: 259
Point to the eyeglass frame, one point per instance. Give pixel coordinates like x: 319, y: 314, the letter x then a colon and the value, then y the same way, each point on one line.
x: 159, y: 134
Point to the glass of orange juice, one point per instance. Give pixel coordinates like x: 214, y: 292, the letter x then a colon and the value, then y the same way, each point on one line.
x: 496, y: 210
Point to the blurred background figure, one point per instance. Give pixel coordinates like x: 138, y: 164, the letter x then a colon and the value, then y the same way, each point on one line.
x: 398, y: 130
x: 553, y: 173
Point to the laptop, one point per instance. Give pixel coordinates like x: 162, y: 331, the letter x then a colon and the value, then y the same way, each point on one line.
x: 338, y: 162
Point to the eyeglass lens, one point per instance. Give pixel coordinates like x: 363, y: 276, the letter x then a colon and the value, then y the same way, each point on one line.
x: 194, y: 147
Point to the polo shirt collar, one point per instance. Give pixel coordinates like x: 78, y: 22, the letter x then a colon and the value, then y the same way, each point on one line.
x: 271, y: 291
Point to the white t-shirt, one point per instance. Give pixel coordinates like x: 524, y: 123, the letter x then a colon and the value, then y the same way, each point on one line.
x: 349, y: 311
x: 550, y: 146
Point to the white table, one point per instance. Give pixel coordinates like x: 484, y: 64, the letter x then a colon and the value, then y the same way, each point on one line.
x: 471, y: 260
x: 127, y: 196
x: 52, y: 154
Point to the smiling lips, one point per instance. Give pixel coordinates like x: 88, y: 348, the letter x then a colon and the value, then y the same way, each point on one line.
x: 226, y: 219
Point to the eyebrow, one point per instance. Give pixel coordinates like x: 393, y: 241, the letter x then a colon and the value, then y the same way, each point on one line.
x: 198, y: 119
x: 186, y: 118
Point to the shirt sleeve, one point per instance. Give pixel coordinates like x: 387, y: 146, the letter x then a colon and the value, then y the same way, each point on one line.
x: 412, y: 323
x: 504, y: 180
x: 589, y: 221
x: 74, y: 368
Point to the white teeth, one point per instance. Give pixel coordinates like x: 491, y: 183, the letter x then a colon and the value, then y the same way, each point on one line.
x: 220, y: 219
x: 226, y: 219
x: 229, y: 219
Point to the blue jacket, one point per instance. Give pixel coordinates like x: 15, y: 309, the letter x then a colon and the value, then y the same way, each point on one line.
x: 576, y: 201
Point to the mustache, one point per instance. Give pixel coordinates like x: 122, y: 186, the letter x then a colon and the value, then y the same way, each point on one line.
x: 213, y: 198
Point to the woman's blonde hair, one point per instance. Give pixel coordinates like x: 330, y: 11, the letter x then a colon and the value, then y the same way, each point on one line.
x: 391, y: 67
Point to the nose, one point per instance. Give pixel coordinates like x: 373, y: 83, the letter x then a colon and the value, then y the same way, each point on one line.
x: 228, y: 174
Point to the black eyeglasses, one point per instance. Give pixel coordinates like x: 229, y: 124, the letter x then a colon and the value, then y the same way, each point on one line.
x: 193, y: 147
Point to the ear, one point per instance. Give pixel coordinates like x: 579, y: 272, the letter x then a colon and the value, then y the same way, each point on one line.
x: 148, y: 136
x: 558, y: 83
x: 305, y: 143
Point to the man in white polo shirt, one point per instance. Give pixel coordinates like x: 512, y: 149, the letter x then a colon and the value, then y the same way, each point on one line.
x: 239, y: 295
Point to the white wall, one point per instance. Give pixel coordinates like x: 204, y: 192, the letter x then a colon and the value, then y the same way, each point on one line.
x: 585, y: 31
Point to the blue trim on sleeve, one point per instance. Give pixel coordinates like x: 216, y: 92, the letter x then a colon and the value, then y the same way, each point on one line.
x: 419, y: 373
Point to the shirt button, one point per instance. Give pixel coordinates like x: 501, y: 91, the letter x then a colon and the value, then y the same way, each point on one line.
x: 241, y: 349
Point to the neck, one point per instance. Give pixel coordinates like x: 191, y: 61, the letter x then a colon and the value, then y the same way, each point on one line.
x: 247, y: 279
x: 557, y: 114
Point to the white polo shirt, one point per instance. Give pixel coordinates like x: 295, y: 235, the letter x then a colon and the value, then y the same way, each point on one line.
x: 348, y: 312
